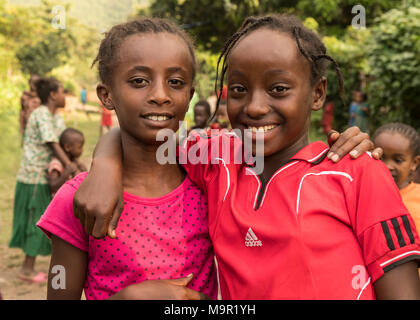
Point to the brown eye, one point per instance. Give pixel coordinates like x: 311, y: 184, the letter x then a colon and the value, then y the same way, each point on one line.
x: 139, y: 82
x: 237, y: 89
x: 176, y: 82
x: 279, y: 89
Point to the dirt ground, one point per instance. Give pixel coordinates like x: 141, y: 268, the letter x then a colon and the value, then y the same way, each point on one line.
x: 13, y: 288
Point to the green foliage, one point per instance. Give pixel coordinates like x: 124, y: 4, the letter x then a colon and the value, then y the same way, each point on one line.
x: 394, y: 62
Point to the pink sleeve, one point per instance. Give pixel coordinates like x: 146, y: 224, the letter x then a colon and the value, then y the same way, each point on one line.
x: 59, y: 220
x: 384, y: 227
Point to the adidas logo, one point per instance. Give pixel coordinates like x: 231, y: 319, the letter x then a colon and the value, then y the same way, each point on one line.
x: 251, y: 239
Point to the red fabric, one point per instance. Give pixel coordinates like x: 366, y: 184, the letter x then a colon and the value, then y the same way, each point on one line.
x: 106, y: 120
x: 312, y: 231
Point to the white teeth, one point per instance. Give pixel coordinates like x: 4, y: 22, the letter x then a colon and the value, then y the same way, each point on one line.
x: 262, y: 129
x: 157, y: 118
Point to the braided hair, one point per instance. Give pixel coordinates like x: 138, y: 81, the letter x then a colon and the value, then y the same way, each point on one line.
x: 107, y: 54
x: 405, y: 130
x: 308, y: 43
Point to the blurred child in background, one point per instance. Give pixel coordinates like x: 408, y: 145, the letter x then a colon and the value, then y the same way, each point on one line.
x: 401, y: 145
x: 202, y: 114
x: 32, y: 195
x: 359, y: 111
x: 106, y: 121
x: 71, y: 141
x: 29, y: 101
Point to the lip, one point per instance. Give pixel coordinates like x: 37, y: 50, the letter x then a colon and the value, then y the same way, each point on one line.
x: 266, y: 136
x: 159, y: 124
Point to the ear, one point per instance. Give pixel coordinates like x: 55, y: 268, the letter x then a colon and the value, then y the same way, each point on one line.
x: 104, y: 94
x: 415, y: 163
x: 319, y: 93
x: 67, y: 147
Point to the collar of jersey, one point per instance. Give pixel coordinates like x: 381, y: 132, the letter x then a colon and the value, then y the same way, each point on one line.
x: 313, y: 153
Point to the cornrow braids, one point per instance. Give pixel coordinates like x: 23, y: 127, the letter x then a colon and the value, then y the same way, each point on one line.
x: 403, y: 129
x: 107, y: 54
x: 308, y: 43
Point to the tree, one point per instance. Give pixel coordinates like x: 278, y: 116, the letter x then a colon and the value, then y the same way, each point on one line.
x: 394, y: 63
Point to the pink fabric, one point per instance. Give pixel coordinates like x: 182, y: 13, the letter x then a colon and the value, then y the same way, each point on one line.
x: 159, y: 238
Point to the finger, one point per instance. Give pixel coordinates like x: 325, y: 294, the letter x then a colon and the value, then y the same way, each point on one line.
x: 332, y: 136
x: 99, y: 228
x: 113, y: 222
x: 89, y: 222
x: 361, y: 148
x: 182, y: 281
x: 195, y: 295
x: 377, y: 153
x: 357, y: 144
x: 342, y: 139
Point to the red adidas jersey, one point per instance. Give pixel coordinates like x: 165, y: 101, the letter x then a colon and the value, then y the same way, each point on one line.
x: 315, y: 230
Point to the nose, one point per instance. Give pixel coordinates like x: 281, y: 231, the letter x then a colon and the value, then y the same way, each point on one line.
x: 257, y: 106
x: 159, y: 93
x: 389, y: 164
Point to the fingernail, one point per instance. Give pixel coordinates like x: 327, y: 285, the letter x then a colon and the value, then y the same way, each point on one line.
x: 329, y: 155
x: 335, y: 158
x: 353, y: 153
x: 190, y: 275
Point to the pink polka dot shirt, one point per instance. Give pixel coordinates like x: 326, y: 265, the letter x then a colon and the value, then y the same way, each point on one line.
x: 157, y: 238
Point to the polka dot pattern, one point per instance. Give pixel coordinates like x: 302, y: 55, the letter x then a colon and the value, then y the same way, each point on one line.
x: 160, y: 238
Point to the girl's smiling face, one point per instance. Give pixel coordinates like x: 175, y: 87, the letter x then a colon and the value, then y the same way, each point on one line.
x: 151, y: 84
x: 397, y: 156
x: 269, y: 89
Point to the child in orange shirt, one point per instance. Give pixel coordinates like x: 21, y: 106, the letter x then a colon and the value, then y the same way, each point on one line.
x: 401, y: 146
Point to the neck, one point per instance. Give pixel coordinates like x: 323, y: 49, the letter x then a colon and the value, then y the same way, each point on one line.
x: 143, y: 175
x: 275, y: 161
x: 51, y: 107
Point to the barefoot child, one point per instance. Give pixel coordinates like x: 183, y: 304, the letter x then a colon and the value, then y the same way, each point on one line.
x: 32, y: 194
x: 146, y: 68
x: 71, y: 141
x: 401, y: 146
x: 316, y: 222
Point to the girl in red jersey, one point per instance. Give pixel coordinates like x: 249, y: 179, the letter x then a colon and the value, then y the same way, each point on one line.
x: 329, y: 231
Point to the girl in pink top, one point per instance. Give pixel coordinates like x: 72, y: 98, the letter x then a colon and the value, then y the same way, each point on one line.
x: 146, y: 68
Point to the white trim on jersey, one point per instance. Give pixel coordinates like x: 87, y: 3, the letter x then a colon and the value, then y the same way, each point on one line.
x: 271, y: 179
x: 259, y: 186
x: 319, y: 174
x: 228, y: 177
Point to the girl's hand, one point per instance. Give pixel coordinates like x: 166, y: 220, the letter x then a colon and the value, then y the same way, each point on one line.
x: 99, y: 200
x: 351, y: 141
x: 174, y: 289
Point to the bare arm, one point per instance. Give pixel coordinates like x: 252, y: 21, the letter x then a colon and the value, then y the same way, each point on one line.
x: 99, y: 211
x: 55, y: 180
x: 59, y: 153
x: 400, y: 283
x: 74, y: 263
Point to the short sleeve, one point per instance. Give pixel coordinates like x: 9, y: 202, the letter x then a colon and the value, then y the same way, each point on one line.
x: 45, y: 124
x: 59, y: 220
x: 384, y: 227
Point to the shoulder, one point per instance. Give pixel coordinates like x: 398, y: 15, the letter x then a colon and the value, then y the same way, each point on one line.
x: 363, y: 166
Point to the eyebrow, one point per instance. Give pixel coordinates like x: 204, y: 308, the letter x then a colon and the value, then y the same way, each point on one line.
x: 147, y: 69
x: 275, y: 71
